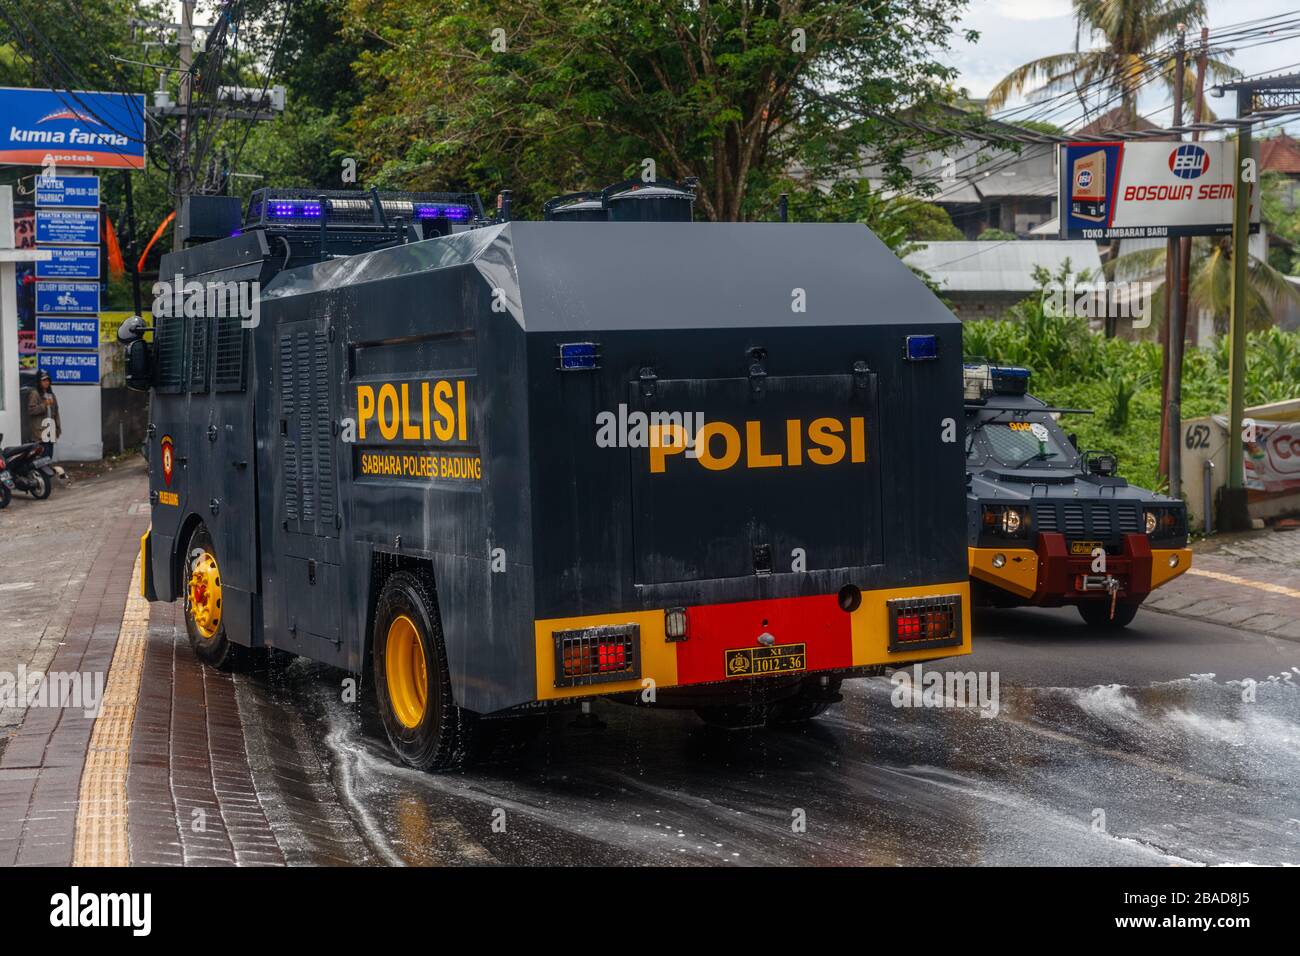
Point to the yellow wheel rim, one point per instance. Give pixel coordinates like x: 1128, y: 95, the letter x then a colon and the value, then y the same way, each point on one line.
x: 405, y: 671
x: 204, y: 595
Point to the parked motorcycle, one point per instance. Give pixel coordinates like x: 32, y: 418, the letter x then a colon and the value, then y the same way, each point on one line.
x: 30, y: 468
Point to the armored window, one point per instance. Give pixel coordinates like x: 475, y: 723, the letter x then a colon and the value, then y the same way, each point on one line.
x: 231, y: 353
x: 200, y: 349
x: 169, y: 350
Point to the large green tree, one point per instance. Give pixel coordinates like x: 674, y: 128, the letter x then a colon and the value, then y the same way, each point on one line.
x: 545, y: 96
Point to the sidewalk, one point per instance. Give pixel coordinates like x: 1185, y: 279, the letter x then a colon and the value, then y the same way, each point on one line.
x: 1249, y: 581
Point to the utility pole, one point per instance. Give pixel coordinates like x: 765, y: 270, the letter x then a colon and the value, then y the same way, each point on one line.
x: 1174, y: 294
x: 184, y: 174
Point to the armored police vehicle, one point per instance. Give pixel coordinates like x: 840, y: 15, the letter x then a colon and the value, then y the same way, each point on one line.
x: 1050, y: 525
x: 503, y: 465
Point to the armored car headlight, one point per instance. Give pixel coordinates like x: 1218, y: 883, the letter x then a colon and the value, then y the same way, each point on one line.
x: 1149, y: 521
x: 1005, y: 520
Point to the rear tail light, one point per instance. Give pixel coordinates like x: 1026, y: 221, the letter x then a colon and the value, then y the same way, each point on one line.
x: 916, y: 623
x: 595, y: 655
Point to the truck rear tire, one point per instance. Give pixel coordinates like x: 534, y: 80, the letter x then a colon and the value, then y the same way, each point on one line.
x: 1096, y: 614
x: 412, y: 680
x: 202, y: 594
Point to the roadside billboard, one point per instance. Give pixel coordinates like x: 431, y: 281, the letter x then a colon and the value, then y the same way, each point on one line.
x: 1142, y: 190
x: 71, y: 128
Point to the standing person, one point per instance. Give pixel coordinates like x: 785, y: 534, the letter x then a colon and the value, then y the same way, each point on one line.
x: 43, y: 413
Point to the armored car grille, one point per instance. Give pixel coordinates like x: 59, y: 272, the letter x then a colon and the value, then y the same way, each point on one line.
x: 1128, y: 519
x: 1074, y: 521
x: 1045, y: 518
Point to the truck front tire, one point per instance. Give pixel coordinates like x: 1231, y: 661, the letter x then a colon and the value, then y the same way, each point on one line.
x: 412, y: 679
x: 202, y: 596
x: 1096, y: 614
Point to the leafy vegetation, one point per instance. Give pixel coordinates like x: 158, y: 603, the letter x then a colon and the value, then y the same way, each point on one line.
x: 1120, y: 380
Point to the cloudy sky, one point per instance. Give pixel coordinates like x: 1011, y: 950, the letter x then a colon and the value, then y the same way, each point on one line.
x: 1016, y: 31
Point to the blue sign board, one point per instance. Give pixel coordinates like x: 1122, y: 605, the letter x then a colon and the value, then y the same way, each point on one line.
x: 67, y: 298
x: 53, y: 332
x: 69, y: 262
x: 75, y: 191
x: 67, y: 225
x: 71, y: 368
x: 71, y: 128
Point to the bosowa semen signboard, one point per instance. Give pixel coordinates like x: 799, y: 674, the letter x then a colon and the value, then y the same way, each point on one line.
x: 71, y: 128
x: 1148, y: 190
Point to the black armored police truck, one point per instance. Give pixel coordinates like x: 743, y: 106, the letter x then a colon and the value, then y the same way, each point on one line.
x: 1050, y: 525
x: 506, y: 465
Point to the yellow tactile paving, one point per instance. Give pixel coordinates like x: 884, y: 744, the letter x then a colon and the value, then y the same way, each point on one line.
x: 1246, y: 582
x: 101, y: 838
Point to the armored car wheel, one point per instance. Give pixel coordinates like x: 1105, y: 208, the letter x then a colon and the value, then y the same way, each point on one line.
x: 203, y: 622
x: 412, y: 679
x: 1096, y: 614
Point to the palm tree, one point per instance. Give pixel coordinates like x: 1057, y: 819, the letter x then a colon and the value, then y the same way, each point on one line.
x: 1134, y: 31
x: 1209, y: 285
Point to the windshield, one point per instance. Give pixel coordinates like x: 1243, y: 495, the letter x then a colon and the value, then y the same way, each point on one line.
x: 1016, y: 444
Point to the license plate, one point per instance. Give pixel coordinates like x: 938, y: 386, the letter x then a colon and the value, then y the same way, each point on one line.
x: 1084, y: 547
x: 6, y: 479
x: 757, y: 661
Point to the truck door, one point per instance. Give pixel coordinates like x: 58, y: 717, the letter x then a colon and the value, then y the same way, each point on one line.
x: 308, y: 518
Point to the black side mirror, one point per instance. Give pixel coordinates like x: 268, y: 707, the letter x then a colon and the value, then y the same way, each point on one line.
x: 1074, y: 440
x: 139, y: 364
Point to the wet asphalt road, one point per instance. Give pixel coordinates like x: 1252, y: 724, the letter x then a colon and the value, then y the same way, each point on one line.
x: 1136, y: 749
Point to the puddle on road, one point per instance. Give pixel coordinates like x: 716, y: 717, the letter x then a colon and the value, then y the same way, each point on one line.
x: 1177, y: 773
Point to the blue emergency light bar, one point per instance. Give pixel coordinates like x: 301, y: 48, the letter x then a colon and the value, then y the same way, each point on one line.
x: 340, y: 209
x: 456, y: 213
x: 292, y: 209
x: 1009, y: 379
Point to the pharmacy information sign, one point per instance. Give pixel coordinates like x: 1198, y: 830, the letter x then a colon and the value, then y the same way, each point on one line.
x: 69, y: 262
x: 72, y: 368
x: 71, y: 128
x: 67, y: 191
x: 53, y: 332
x: 67, y: 298
x: 1145, y: 190
x: 67, y: 226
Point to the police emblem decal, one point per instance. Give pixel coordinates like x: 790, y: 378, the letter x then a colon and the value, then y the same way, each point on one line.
x: 168, y: 457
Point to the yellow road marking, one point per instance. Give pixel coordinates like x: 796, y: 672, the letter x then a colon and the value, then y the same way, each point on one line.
x: 101, y: 835
x: 1247, y: 582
